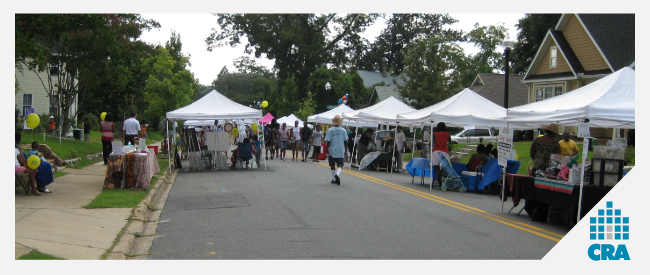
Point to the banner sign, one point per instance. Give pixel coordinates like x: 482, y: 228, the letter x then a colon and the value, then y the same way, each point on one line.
x: 505, y: 145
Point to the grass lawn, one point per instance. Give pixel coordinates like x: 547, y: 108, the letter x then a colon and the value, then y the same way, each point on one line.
x: 523, y: 152
x: 125, y: 198
x: 36, y: 255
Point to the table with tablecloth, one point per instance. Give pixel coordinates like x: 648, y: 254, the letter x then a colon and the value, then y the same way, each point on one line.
x: 132, y: 170
x: 540, y: 193
x: 491, y: 170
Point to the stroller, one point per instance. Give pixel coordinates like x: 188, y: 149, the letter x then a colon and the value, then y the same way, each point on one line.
x: 450, y: 179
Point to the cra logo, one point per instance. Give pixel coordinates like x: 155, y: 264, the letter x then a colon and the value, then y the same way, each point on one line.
x: 609, y: 226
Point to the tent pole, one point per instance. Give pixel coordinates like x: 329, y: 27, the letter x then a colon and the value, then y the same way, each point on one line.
x: 503, y: 181
x: 264, y: 139
x: 431, y: 157
x: 415, y: 131
x: 168, y: 153
x: 582, y: 174
x: 356, y: 131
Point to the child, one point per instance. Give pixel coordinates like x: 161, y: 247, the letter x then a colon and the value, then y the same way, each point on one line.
x: 256, y: 149
x: 34, y: 151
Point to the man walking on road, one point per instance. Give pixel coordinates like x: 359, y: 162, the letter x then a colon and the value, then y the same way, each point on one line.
x: 400, y: 141
x: 305, y: 136
x: 337, y: 139
x: 316, y: 140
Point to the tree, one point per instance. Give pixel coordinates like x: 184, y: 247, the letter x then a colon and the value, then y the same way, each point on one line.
x: 402, y: 31
x: 73, y: 50
x: 166, y: 89
x: 434, y: 66
x: 299, y: 43
x: 532, y: 30
x: 489, y: 59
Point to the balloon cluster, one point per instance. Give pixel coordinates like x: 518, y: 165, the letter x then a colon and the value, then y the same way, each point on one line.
x: 343, y: 100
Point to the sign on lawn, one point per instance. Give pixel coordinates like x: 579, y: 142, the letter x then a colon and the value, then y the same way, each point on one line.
x: 505, y: 145
x: 28, y: 111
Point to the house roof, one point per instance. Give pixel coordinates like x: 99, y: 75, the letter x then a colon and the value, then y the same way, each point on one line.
x: 492, y: 86
x: 614, y: 35
x: 370, y: 78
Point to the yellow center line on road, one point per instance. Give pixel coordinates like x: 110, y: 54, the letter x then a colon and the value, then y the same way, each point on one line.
x: 482, y: 213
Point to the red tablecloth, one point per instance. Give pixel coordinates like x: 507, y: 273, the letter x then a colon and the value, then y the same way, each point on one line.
x: 134, y: 170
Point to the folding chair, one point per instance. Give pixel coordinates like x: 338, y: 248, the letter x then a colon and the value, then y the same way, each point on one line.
x: 244, y: 154
x: 23, y: 179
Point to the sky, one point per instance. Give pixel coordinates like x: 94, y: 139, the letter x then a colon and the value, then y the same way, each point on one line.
x: 195, y: 27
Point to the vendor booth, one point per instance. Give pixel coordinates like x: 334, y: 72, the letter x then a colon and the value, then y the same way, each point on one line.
x: 607, y: 103
x: 213, y: 106
x: 463, y: 108
x: 384, y: 112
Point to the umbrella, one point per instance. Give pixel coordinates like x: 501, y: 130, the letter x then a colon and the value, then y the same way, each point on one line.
x: 368, y: 159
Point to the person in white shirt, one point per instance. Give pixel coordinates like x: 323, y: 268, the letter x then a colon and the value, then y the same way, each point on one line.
x: 242, y: 132
x: 295, y: 145
x: 400, y: 141
x: 131, y: 129
x: 317, y: 140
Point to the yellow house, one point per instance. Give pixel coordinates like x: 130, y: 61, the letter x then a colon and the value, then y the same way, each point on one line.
x: 581, y: 49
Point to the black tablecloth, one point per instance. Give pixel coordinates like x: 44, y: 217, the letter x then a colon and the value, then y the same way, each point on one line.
x: 540, y: 198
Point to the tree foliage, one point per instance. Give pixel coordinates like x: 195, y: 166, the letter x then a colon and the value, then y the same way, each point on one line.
x: 169, y: 85
x: 402, y: 31
x: 434, y: 66
x: 77, y: 46
x: 532, y: 30
x: 299, y: 43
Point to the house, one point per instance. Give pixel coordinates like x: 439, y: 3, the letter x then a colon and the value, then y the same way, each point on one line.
x: 380, y: 93
x: 32, y: 93
x: 581, y: 49
x: 492, y: 86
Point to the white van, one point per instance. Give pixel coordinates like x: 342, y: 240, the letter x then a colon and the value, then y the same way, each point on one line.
x: 475, y: 136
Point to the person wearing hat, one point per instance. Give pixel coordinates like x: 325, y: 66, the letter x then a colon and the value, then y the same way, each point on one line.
x: 337, y: 139
x: 52, y: 127
x: 543, y: 147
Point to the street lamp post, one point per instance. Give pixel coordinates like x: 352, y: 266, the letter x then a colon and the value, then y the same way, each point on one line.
x: 327, y: 94
x: 507, y: 44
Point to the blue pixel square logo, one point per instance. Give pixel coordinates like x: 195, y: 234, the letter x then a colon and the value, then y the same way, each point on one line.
x: 609, y: 225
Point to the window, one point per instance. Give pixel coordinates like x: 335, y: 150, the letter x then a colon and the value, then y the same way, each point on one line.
x: 482, y: 133
x: 54, y: 105
x: 27, y: 102
x: 553, y: 60
x: 545, y: 92
x: 469, y: 133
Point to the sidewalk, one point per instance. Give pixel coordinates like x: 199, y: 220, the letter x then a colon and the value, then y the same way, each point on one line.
x: 57, y: 224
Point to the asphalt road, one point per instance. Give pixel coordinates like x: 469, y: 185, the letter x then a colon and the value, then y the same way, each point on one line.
x: 291, y: 211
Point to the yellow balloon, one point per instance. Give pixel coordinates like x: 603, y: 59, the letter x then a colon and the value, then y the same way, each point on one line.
x: 254, y: 126
x: 32, y: 121
x: 265, y: 104
x: 103, y: 115
x: 33, y: 162
x: 235, y: 132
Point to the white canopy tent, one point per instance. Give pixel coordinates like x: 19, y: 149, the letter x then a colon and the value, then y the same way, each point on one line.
x: 213, y: 106
x: 290, y: 120
x: 384, y: 112
x: 607, y: 103
x: 464, y: 108
x: 326, y: 117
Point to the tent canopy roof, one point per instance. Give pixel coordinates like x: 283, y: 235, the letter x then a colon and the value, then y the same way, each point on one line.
x: 384, y: 112
x: 326, y: 117
x: 214, y: 105
x: 464, y: 108
x: 607, y: 103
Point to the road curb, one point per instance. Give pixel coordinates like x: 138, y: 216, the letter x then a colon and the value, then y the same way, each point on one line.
x: 140, y: 232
